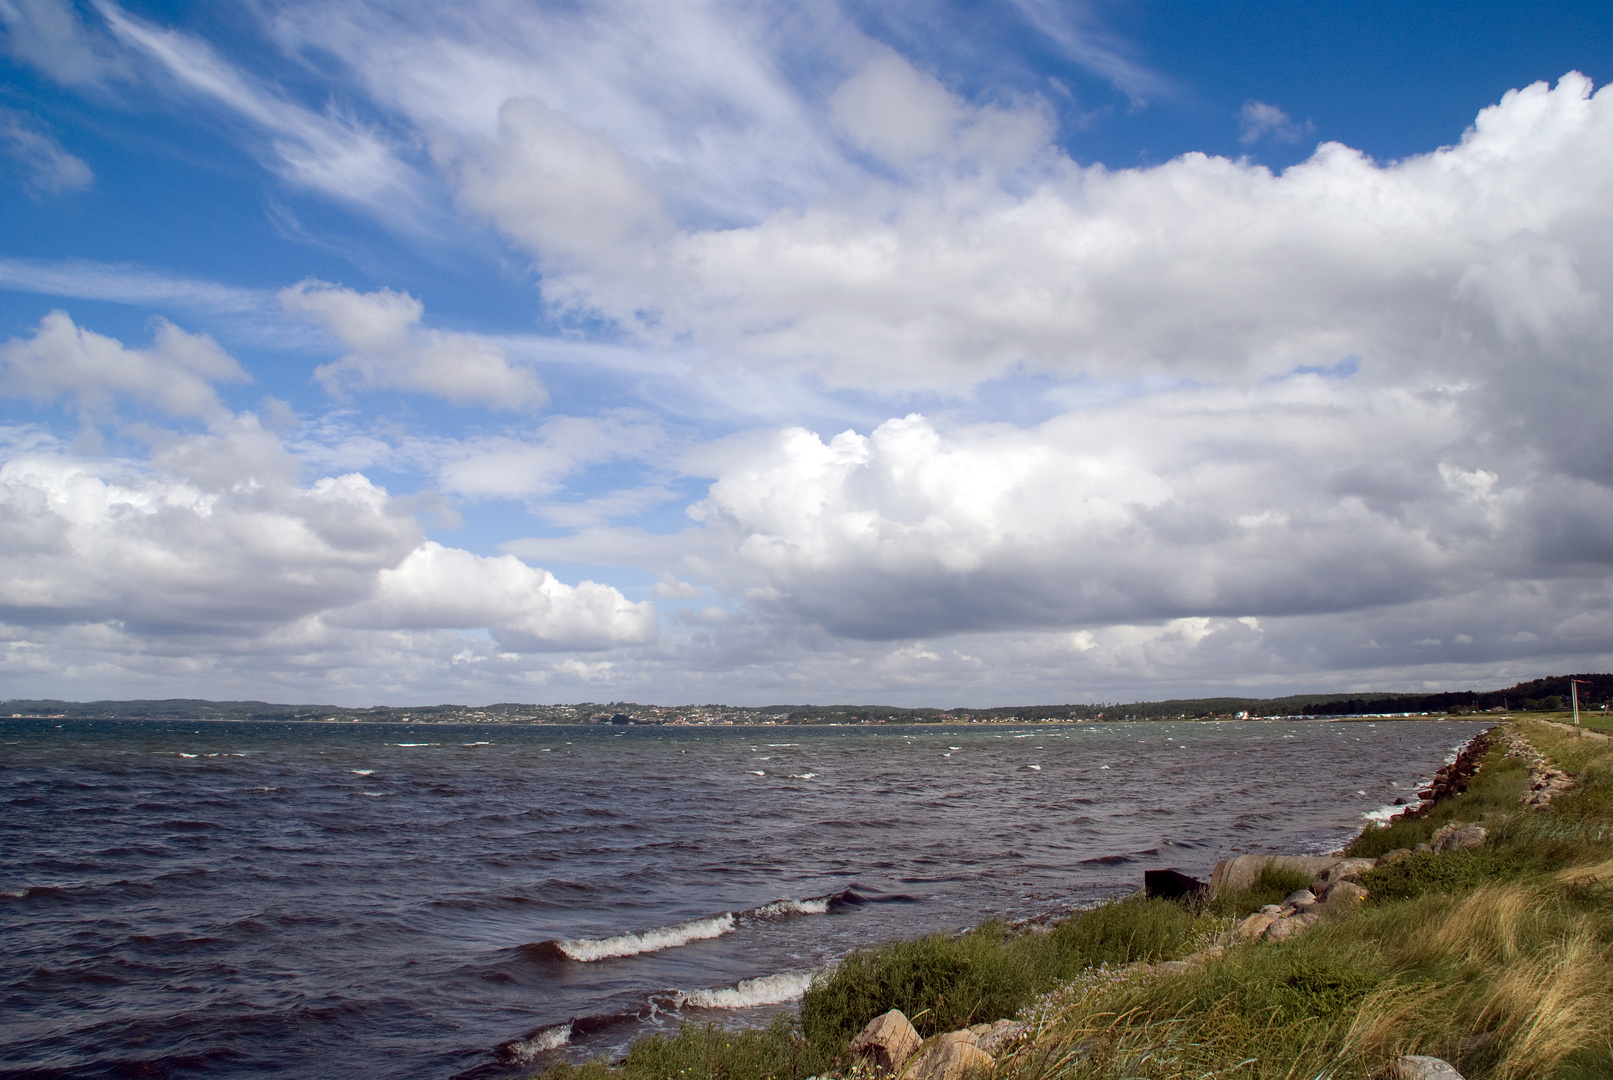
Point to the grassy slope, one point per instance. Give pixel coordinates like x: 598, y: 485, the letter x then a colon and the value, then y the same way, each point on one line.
x: 1496, y: 960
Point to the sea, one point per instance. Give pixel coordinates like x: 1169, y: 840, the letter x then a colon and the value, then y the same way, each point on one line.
x: 339, y: 900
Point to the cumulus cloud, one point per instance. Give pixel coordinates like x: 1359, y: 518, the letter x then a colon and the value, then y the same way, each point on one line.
x: 524, y: 608
x: 47, y: 168
x: 176, y: 374
x: 214, y: 537
x: 392, y: 351
x: 1199, y: 268
x: 1258, y: 120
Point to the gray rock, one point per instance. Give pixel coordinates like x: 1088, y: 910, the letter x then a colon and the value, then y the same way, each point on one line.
x: 1256, y: 924
x: 947, y: 1057
x: 1283, y: 929
x: 1458, y: 836
x: 1394, y: 856
x: 992, y: 1037
x: 1421, y: 848
x: 887, y: 1042
x: 1271, y: 909
x: 1345, y: 896
x: 1299, y: 896
x: 1419, y: 1067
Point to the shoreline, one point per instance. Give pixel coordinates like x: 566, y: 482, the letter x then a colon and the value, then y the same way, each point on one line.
x: 547, y: 1039
x: 1468, y: 933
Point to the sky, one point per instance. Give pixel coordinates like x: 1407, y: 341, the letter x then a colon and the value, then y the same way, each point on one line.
x: 946, y: 354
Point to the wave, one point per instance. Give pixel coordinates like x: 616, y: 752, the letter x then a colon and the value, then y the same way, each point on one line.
x: 527, y: 1049
x: 766, y: 990
x: 589, y: 950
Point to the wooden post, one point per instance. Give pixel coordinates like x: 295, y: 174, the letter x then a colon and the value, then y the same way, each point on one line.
x: 1573, y: 691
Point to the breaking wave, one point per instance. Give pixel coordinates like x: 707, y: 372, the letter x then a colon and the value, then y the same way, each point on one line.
x: 767, y: 990
x: 588, y: 950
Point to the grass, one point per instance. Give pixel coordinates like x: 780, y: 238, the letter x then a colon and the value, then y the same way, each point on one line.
x: 1498, y: 959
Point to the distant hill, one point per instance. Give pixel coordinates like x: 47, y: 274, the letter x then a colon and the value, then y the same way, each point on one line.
x: 1547, y: 694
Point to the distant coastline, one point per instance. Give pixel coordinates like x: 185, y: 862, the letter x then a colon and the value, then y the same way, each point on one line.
x: 1543, y: 695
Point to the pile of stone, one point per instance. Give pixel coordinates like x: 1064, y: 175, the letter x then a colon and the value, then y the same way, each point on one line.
x: 1337, y: 890
x: 1545, y: 780
x: 890, y: 1046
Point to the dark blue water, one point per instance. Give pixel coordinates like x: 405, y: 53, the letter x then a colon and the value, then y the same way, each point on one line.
x: 358, y: 900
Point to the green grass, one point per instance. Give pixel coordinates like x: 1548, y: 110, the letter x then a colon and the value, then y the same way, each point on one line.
x: 944, y: 982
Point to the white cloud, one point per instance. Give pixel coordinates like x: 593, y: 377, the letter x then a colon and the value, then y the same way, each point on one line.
x: 48, y: 169
x: 1200, y: 268
x: 392, y: 351
x: 216, y: 536
x: 176, y: 374
x: 124, y: 284
x: 524, y: 608
x: 330, y: 153
x: 1258, y: 120
x: 50, y: 35
x: 565, y: 193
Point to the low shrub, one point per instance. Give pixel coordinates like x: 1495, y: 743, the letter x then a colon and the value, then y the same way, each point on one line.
x: 1442, y: 872
x: 941, y: 982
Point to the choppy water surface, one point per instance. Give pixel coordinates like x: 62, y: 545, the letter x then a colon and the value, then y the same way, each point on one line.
x: 358, y: 900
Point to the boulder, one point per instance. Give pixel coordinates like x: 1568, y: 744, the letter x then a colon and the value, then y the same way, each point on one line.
x: 1344, y: 896
x: 1347, y: 870
x: 887, y: 1042
x: 1255, y: 925
x: 990, y: 1038
x: 1243, y: 871
x: 1419, y: 1067
x: 947, y: 1057
x: 1390, y: 857
x: 1458, y: 836
x: 1298, y: 897
x: 1283, y: 929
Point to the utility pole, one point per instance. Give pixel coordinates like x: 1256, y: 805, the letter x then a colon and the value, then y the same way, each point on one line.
x: 1573, y: 692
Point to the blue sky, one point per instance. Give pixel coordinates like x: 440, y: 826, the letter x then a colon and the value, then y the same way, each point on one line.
x: 950, y: 354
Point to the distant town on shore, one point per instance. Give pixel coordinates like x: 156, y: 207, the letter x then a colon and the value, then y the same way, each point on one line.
x: 1548, y: 694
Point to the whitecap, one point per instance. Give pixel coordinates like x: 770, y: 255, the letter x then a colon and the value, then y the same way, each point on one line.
x: 361, y: 772
x: 756, y: 772
x: 815, y: 905
x: 588, y: 950
x: 549, y: 1038
x: 802, y: 776
x: 767, y: 990
x: 187, y: 755
x: 414, y: 744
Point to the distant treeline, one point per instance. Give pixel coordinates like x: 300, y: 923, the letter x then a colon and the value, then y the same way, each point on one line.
x: 1547, y: 694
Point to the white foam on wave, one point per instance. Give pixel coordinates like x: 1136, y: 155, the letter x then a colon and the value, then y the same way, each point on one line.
x: 414, y: 744
x: 1383, y: 813
x: 802, y: 776
x: 549, y: 1038
x: 361, y: 772
x: 767, y: 990
x: 817, y: 905
x: 666, y: 937
x: 756, y: 772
